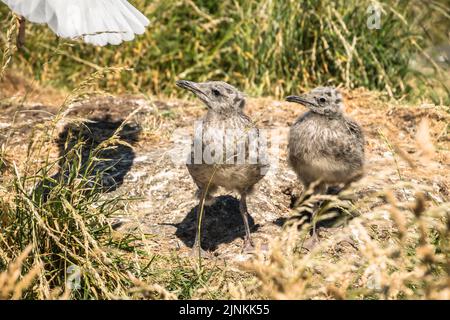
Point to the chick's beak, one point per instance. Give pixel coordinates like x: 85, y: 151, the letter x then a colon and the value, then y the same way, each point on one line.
x: 191, y: 86
x: 301, y: 99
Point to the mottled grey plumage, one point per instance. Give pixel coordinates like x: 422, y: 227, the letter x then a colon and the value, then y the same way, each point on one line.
x: 325, y: 146
x: 226, y: 168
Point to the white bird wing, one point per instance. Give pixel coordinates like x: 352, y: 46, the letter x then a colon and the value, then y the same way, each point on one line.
x: 99, y: 22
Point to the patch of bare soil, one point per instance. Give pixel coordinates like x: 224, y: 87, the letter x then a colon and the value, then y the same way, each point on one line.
x: 161, y: 192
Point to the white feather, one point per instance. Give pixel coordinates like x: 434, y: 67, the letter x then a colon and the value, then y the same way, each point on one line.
x: 99, y: 22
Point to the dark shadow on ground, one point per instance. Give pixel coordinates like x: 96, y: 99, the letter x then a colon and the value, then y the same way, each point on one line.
x: 222, y: 223
x: 115, y: 160
x: 112, y: 163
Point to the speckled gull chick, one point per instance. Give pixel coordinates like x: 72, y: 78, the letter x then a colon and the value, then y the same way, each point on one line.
x: 326, y: 148
x: 230, y: 165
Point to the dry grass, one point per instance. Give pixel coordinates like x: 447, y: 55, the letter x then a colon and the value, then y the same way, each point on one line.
x: 12, y: 282
x: 410, y: 261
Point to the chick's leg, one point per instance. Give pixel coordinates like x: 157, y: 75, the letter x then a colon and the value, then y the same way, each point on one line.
x: 319, y: 188
x: 200, y: 211
x: 248, y: 243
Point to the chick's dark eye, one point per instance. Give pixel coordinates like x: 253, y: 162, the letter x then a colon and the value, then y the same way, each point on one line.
x: 215, y: 92
x: 322, y: 100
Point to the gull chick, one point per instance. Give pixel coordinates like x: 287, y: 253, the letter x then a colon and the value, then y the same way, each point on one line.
x: 326, y: 148
x: 229, y: 153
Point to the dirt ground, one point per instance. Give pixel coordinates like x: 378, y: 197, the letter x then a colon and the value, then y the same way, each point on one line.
x: 162, y: 192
